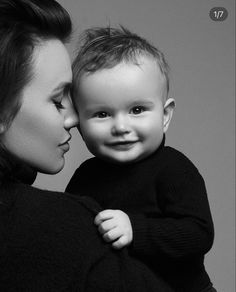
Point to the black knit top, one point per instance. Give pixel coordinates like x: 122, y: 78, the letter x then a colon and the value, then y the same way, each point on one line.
x: 48, y: 243
x: 166, y: 200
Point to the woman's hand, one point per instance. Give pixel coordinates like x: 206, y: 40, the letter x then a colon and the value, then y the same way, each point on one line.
x: 115, y: 226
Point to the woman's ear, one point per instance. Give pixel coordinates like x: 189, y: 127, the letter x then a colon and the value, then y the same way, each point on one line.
x: 168, y: 112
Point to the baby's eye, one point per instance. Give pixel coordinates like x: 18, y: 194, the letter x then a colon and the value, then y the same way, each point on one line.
x: 101, y: 115
x: 137, y: 110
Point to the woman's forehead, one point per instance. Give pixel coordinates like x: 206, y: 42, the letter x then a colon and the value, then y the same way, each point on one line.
x: 51, y: 64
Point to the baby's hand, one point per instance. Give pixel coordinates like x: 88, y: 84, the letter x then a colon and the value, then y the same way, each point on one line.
x: 115, y: 226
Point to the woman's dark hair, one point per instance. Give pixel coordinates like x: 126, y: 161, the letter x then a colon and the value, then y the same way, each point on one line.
x: 23, y: 25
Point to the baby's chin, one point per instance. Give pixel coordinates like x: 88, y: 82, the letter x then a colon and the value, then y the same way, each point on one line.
x: 120, y: 160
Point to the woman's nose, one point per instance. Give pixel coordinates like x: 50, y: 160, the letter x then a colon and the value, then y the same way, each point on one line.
x: 120, y: 126
x: 71, y: 117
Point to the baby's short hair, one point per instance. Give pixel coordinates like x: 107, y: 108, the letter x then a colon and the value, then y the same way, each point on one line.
x: 105, y: 47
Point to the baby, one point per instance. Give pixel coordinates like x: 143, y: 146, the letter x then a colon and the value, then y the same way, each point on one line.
x: 154, y: 198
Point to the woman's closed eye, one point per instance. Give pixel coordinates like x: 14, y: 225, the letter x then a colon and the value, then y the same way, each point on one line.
x: 58, y: 99
x: 58, y: 104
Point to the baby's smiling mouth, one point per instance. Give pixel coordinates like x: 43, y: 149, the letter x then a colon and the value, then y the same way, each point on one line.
x: 122, y: 145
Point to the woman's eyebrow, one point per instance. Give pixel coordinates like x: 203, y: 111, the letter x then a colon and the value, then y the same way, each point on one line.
x: 62, y: 86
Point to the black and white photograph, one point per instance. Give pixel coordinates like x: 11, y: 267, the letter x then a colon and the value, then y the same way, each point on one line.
x: 117, y: 145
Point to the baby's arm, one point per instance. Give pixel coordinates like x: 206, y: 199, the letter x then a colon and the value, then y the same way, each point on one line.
x: 115, y: 226
x: 184, y: 227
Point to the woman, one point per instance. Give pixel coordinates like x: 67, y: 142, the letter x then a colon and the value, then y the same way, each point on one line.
x: 48, y: 241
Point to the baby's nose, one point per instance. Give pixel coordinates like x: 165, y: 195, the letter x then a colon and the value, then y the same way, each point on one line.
x: 121, y: 126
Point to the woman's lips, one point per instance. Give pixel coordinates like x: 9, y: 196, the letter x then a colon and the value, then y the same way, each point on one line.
x: 65, y: 147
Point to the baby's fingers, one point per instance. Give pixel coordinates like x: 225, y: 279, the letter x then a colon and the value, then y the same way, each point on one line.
x: 103, y: 215
x: 120, y: 243
x: 107, y: 225
x: 111, y: 235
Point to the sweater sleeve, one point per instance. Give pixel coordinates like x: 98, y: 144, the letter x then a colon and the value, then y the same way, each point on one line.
x: 124, y: 274
x: 51, y: 244
x: 185, y: 228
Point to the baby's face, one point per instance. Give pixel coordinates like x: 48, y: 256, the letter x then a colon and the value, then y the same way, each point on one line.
x: 122, y: 111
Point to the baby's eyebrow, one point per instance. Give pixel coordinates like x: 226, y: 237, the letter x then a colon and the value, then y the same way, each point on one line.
x: 142, y: 102
x: 88, y: 110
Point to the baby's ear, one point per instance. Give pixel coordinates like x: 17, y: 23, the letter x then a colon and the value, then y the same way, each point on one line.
x: 168, y: 112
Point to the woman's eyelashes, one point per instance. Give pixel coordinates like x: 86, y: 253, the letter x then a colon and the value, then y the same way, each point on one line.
x: 58, y: 104
x: 60, y: 97
x: 57, y: 100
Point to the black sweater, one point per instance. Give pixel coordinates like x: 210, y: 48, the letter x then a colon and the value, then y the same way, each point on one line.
x: 48, y: 243
x: 166, y: 200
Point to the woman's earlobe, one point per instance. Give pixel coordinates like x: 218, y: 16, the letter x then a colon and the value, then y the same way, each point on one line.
x: 168, y: 113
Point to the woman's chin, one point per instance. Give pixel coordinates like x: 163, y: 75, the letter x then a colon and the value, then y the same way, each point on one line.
x: 53, y: 168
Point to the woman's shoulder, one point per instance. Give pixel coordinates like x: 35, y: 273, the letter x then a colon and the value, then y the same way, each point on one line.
x: 48, y: 236
x: 53, y: 201
x: 43, y: 207
x: 42, y: 217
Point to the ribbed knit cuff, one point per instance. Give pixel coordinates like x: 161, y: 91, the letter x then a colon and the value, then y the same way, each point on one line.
x: 139, y: 226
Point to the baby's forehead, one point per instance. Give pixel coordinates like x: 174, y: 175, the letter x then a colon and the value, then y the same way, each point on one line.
x: 124, y: 70
x: 125, y: 74
x: 139, y: 61
x: 147, y: 64
x: 125, y: 81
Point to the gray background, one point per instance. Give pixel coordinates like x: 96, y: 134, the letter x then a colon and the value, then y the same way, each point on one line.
x: 201, y: 54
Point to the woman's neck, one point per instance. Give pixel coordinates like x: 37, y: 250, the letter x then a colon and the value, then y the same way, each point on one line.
x: 12, y: 168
